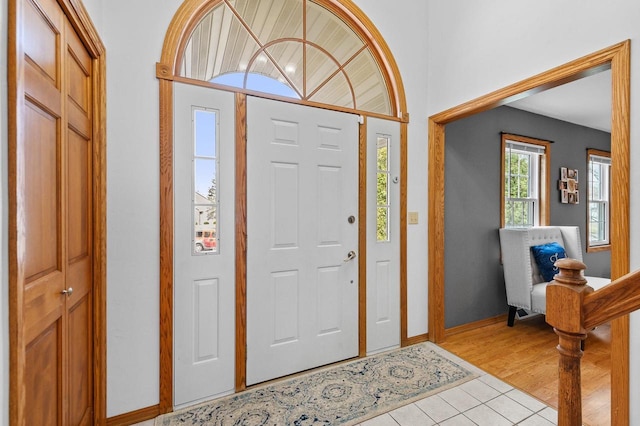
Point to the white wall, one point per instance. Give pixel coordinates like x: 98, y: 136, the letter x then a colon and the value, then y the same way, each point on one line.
x: 94, y: 9
x: 405, y: 32
x: 4, y: 278
x: 477, y: 47
x: 133, y: 33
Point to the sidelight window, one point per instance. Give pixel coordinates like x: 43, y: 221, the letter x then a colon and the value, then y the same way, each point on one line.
x: 205, y: 181
x: 383, y: 202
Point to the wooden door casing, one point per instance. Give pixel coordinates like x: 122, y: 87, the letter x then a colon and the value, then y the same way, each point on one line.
x: 53, y: 335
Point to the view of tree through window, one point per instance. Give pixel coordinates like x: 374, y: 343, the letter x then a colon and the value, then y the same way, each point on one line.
x: 522, y: 183
x: 382, y: 199
x: 520, y: 199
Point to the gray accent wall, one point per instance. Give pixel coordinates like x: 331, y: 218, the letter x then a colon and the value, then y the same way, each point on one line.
x: 474, y: 282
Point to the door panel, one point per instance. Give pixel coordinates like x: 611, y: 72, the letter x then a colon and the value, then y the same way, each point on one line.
x: 78, y: 211
x: 41, y: 194
x: 206, y: 308
x: 204, y: 268
x: 302, y: 185
x: 41, y: 46
x: 80, y: 362
x: 285, y: 204
x: 43, y: 378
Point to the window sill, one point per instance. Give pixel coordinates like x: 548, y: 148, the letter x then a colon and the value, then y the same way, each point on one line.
x: 595, y: 249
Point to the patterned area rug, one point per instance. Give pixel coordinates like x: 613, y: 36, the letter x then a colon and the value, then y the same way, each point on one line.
x: 345, y: 394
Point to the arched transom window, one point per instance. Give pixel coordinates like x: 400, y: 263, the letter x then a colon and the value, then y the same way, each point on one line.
x: 293, y: 48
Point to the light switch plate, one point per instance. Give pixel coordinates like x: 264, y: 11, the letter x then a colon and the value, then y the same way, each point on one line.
x: 413, y: 218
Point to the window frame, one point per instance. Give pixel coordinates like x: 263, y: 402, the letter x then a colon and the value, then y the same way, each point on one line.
x: 543, y: 181
x: 593, y: 248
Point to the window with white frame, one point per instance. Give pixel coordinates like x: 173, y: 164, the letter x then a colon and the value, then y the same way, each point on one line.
x: 524, y: 177
x: 598, y: 193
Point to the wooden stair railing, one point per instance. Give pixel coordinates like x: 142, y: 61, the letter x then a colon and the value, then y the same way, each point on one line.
x: 573, y: 308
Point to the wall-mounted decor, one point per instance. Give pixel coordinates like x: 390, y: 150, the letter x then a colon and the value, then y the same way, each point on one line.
x: 568, y: 186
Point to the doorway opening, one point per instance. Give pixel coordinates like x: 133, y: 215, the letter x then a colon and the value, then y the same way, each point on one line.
x: 617, y: 59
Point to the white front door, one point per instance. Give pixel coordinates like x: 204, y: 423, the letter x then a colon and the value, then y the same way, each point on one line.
x: 204, y: 243
x: 302, y: 283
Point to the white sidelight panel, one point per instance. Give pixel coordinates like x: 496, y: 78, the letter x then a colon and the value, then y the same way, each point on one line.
x: 383, y: 234
x: 204, y: 244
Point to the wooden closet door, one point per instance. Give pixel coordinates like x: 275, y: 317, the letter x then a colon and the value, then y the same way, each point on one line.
x: 54, y: 219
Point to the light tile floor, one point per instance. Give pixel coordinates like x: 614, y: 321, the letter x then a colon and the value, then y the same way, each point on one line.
x: 484, y: 401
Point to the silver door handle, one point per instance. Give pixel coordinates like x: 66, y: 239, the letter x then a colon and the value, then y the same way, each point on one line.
x: 68, y: 291
x: 350, y: 256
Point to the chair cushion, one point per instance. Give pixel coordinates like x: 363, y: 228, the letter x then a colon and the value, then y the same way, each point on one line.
x: 546, y: 256
x: 539, y: 298
x: 596, y: 282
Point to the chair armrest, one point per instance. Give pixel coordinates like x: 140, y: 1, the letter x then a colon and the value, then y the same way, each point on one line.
x: 516, y: 261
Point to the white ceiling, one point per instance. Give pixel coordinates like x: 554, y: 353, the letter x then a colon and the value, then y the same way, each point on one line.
x: 586, y: 102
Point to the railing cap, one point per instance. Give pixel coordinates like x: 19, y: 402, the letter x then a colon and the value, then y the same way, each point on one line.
x: 571, y: 272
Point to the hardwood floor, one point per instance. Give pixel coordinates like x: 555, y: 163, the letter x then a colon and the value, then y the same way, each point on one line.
x: 525, y: 356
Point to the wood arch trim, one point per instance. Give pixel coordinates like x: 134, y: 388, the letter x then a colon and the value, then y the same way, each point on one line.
x: 617, y: 58
x: 356, y: 19
x: 185, y: 19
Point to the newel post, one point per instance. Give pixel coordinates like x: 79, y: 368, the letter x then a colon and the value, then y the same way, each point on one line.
x: 564, y: 312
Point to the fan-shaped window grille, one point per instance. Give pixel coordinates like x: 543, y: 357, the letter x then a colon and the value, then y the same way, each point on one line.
x: 293, y: 48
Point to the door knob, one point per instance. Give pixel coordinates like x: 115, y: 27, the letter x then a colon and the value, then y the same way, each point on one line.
x: 68, y: 291
x: 350, y: 256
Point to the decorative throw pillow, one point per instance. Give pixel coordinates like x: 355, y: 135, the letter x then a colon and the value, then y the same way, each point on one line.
x: 545, y: 256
